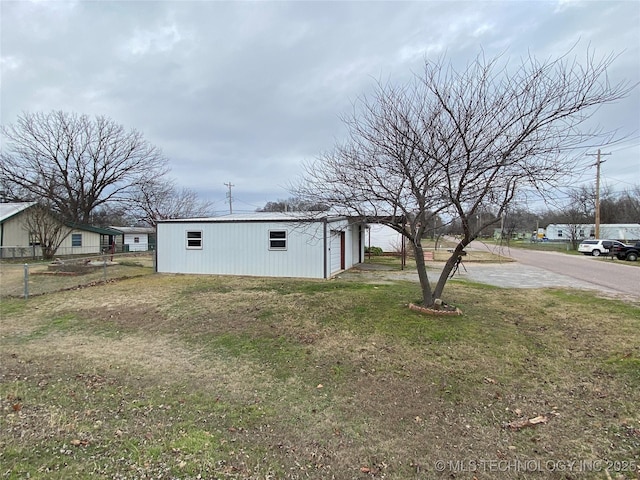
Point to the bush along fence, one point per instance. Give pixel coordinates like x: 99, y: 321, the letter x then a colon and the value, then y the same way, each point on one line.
x: 37, y: 278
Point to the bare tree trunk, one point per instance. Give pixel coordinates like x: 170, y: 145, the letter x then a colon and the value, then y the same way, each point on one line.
x: 425, y: 286
x: 449, y: 266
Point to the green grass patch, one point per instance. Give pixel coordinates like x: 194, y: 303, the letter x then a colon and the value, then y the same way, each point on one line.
x: 219, y: 377
x: 625, y: 365
x: 11, y: 306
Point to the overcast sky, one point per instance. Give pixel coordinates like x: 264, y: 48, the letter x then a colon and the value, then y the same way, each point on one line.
x: 244, y: 92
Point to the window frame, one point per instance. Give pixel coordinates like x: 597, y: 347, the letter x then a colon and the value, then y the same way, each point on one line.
x: 76, y: 240
x: 275, y: 237
x: 199, y: 239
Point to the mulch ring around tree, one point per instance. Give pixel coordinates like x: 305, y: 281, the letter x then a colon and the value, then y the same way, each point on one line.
x: 438, y: 309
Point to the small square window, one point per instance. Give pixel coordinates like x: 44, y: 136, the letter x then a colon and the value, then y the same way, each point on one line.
x: 136, y: 239
x: 194, y: 239
x: 76, y: 239
x: 277, y: 239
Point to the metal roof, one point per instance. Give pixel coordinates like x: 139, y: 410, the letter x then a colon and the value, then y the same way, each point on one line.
x: 8, y: 210
x: 261, y: 217
x: 133, y: 229
x: 91, y: 228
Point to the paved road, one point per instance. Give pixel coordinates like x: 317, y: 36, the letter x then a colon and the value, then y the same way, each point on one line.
x: 534, y: 269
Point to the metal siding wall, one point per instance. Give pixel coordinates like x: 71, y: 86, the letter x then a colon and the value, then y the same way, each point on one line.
x: 333, y: 255
x: 142, y: 246
x: 354, y: 249
x: 335, y: 251
x: 357, y: 244
x: 241, y: 248
x: 90, y: 244
x: 15, y: 232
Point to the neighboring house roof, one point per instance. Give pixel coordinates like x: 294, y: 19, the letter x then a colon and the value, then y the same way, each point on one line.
x: 262, y: 217
x: 133, y: 229
x: 89, y: 228
x: 8, y: 210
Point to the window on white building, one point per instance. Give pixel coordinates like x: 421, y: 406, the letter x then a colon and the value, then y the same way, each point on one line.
x: 194, y: 239
x: 277, y: 239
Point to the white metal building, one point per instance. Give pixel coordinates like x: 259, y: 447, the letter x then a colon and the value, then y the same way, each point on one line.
x: 137, y: 239
x: 300, y: 244
x: 384, y: 237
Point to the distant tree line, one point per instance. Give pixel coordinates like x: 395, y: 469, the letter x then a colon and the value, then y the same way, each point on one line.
x: 293, y: 204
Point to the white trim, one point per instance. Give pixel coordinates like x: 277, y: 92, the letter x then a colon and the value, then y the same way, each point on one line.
x: 193, y: 239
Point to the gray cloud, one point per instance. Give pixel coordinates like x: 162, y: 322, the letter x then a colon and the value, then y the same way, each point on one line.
x: 246, y: 91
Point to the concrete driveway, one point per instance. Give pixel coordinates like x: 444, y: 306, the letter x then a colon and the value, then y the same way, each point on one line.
x: 535, y: 269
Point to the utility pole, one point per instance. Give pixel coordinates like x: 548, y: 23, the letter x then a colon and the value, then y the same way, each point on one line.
x: 230, y: 197
x: 598, y: 162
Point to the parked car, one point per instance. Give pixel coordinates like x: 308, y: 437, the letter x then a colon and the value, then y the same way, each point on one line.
x: 627, y: 252
x: 598, y: 247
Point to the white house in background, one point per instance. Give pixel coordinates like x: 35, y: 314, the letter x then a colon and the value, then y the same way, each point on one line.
x: 137, y: 239
x: 294, y: 244
x: 384, y: 237
x: 610, y: 231
x: 620, y: 231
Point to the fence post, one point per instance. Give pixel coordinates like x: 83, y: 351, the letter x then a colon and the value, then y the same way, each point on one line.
x: 26, y: 280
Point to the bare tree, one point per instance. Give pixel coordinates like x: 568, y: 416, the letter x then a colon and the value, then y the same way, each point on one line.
x: 45, y: 230
x: 516, y: 223
x: 74, y: 162
x: 457, y: 143
x: 620, y: 207
x: 161, y: 199
x: 108, y: 215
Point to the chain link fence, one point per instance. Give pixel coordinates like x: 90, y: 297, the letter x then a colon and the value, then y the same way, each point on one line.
x: 19, y: 279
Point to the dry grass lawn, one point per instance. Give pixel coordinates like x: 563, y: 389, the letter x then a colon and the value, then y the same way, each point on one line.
x: 185, y: 377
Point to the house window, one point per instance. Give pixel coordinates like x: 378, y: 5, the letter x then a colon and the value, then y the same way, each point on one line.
x: 33, y: 239
x: 194, y: 239
x: 76, y: 239
x: 559, y: 233
x: 136, y: 239
x: 277, y: 239
x: 581, y: 233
